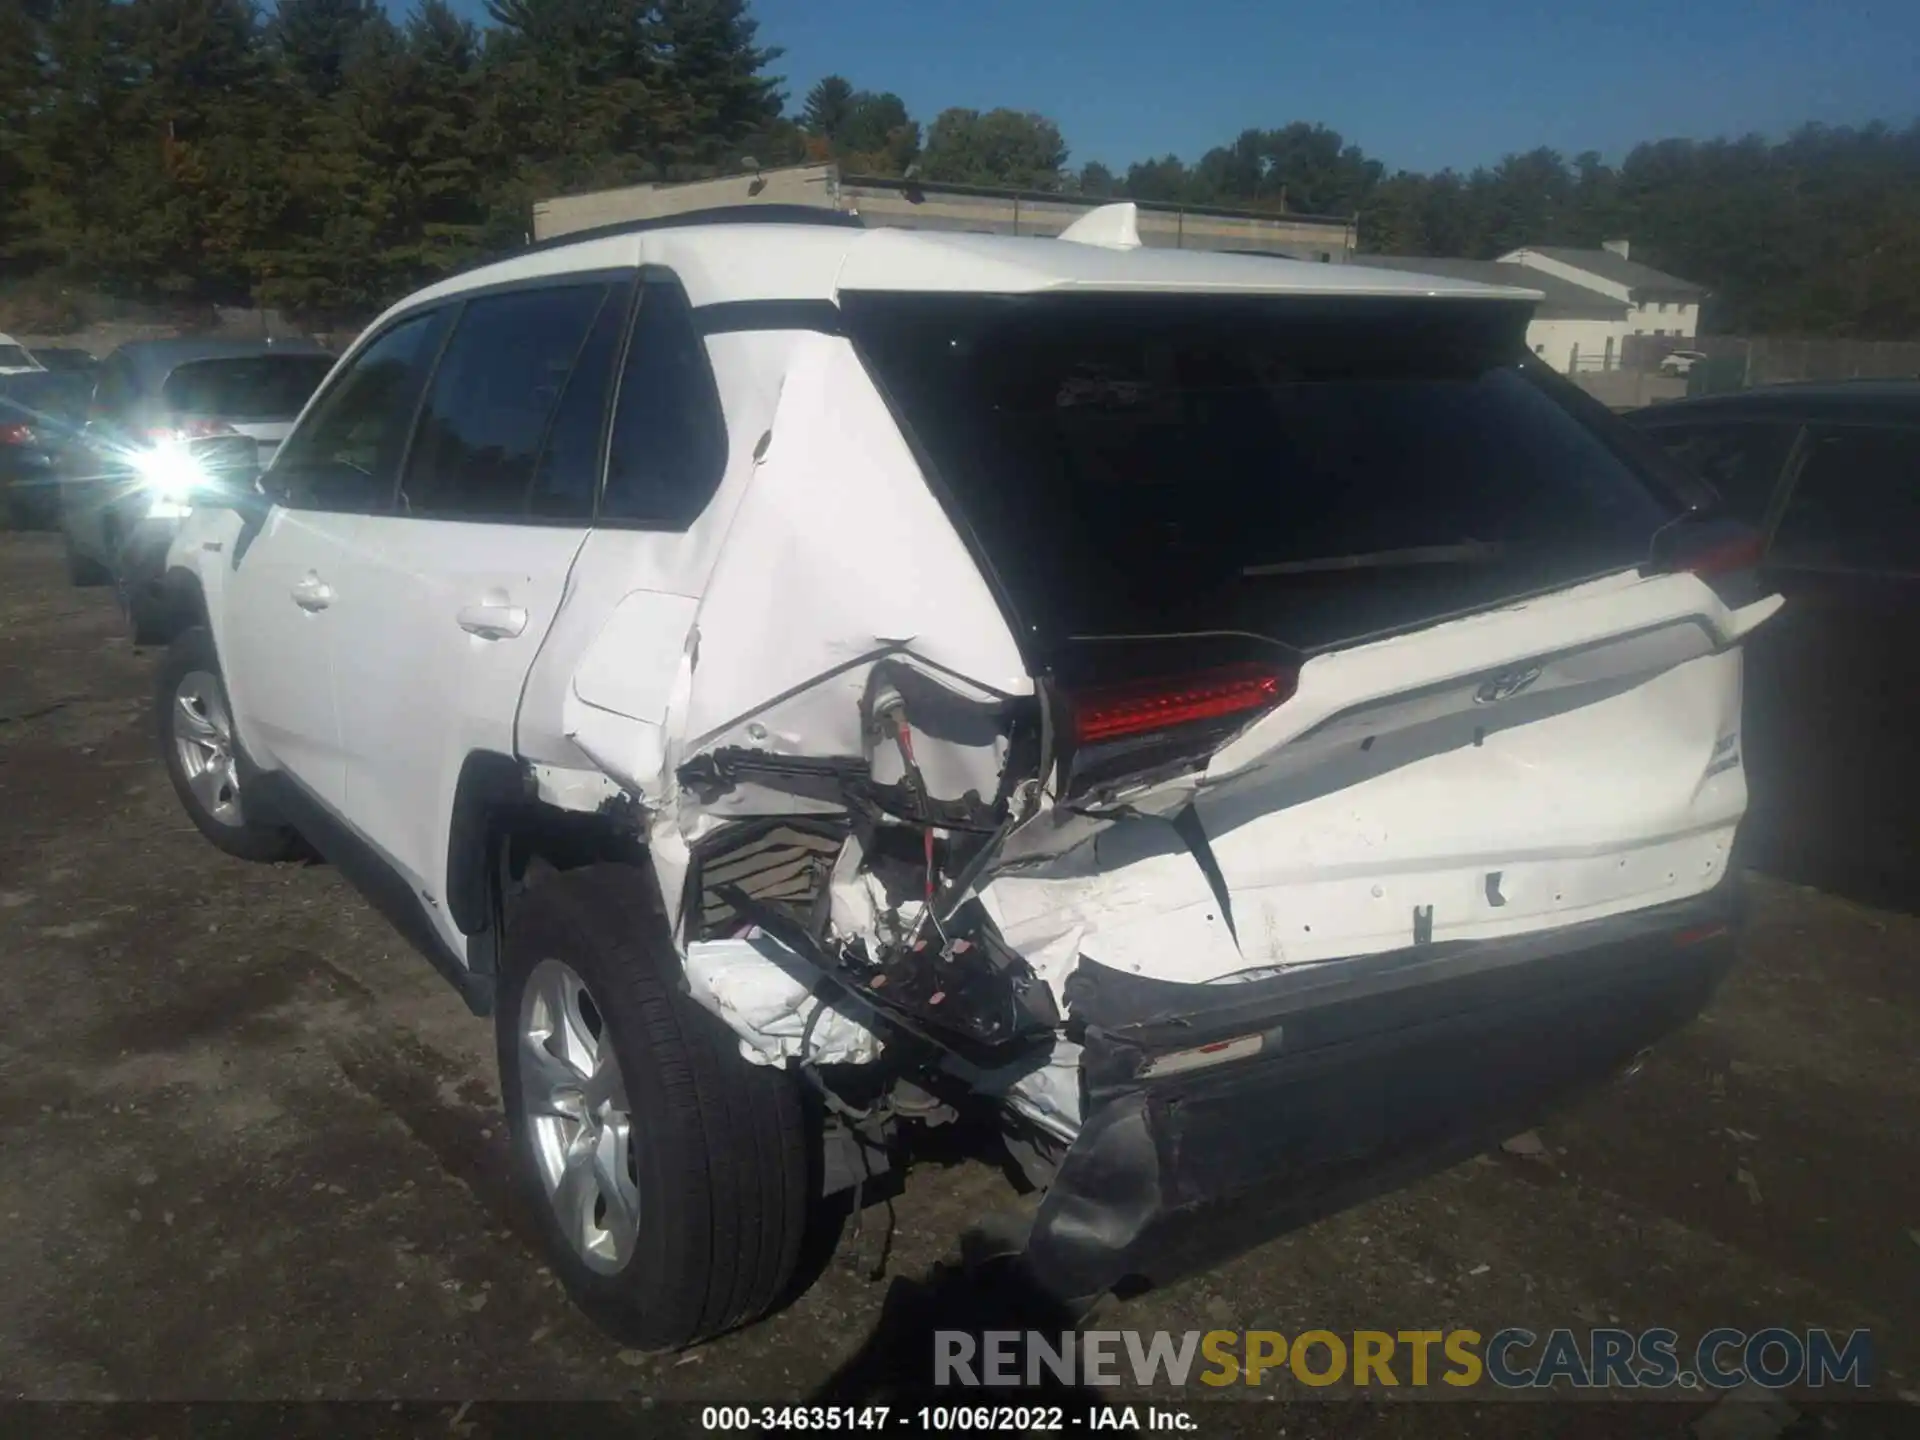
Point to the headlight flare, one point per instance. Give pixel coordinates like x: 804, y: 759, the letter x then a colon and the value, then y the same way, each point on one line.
x: 170, y: 473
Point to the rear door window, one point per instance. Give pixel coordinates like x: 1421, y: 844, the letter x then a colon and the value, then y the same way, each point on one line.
x: 568, y: 473
x: 1741, y: 460
x: 345, y: 454
x: 1856, y: 503
x: 244, y: 389
x: 493, y: 397
x: 669, y: 445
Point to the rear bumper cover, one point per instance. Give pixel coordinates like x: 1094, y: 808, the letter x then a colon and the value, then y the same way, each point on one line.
x: 1367, y: 1075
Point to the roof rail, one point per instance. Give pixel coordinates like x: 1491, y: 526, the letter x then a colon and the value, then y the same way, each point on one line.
x: 769, y: 214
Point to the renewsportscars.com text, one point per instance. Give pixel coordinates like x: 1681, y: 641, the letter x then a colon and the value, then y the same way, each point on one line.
x: 1511, y: 1359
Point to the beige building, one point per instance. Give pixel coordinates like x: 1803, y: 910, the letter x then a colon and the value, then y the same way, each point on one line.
x: 925, y: 205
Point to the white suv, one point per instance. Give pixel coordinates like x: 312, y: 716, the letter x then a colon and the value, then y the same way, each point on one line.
x: 1243, y: 725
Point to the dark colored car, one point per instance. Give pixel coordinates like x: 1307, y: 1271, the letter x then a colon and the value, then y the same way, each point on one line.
x: 161, y: 411
x: 67, y: 358
x: 1830, y: 475
x: 37, y: 410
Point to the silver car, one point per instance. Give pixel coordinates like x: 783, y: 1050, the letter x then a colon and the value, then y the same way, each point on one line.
x: 168, y: 419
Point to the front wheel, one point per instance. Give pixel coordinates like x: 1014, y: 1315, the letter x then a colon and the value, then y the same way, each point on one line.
x: 669, y: 1176
x: 202, y: 756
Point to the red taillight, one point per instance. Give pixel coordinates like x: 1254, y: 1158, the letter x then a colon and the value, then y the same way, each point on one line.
x: 1726, y: 557
x: 16, y: 434
x: 1114, y: 711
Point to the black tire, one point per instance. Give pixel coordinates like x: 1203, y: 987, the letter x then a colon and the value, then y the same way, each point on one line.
x: 83, y: 570
x: 193, y: 654
x: 720, y: 1155
x: 147, y: 619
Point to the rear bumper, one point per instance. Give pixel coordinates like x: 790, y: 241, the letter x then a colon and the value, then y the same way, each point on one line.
x: 1368, y: 1074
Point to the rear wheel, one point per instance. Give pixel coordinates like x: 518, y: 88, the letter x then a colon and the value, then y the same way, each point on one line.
x: 668, y: 1175
x: 195, y: 724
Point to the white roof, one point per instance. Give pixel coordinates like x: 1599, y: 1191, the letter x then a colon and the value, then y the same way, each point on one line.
x: 736, y: 262
x: 1021, y: 265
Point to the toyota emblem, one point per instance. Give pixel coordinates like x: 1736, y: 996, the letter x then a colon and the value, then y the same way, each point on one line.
x: 1505, y: 685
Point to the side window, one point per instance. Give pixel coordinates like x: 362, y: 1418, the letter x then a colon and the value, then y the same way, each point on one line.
x: 346, y: 455
x: 1741, y: 461
x: 1856, y: 505
x: 569, y: 470
x: 669, y: 446
x: 493, y: 393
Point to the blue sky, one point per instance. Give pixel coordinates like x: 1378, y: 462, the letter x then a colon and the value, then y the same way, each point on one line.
x: 1420, y: 84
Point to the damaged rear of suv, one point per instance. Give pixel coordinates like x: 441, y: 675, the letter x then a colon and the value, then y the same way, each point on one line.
x: 1248, y: 729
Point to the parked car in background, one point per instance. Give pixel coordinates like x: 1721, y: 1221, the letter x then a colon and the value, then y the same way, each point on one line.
x: 39, y: 411
x: 1243, y: 727
x: 1830, y: 476
x: 15, y: 358
x: 63, y: 357
x: 165, y: 419
x: 1680, y: 362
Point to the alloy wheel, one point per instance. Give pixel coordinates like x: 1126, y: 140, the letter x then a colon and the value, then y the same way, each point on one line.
x: 203, y: 741
x: 574, y: 1107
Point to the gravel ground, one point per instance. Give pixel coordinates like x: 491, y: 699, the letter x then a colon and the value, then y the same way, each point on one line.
x: 250, y: 1146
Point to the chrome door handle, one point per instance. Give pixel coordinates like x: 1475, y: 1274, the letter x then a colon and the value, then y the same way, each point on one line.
x: 493, y: 622
x: 313, y: 593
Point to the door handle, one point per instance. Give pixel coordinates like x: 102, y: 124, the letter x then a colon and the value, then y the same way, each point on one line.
x: 313, y: 593
x: 493, y: 622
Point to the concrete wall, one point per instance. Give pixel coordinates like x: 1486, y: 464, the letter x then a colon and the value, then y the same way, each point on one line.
x: 801, y: 185
x: 1304, y: 237
x: 936, y: 208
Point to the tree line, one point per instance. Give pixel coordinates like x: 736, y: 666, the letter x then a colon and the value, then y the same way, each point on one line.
x: 325, y: 157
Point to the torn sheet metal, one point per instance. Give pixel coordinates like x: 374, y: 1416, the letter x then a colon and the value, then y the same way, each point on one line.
x: 832, y: 563
x: 1046, y: 1089
x: 1575, y: 747
x: 764, y: 993
x: 568, y: 788
x: 620, y: 703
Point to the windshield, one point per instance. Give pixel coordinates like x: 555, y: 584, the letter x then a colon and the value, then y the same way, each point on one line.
x: 253, y: 387
x: 1302, y: 469
x: 12, y: 356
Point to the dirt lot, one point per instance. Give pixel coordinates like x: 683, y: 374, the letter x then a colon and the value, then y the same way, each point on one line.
x: 249, y: 1144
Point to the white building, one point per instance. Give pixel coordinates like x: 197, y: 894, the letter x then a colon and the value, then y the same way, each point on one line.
x: 1573, y: 328
x: 1657, y: 303
x: 1591, y: 300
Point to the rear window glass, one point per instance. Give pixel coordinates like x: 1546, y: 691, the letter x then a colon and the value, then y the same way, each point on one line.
x: 254, y: 387
x: 1740, y: 460
x: 60, y: 394
x: 1304, y: 470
